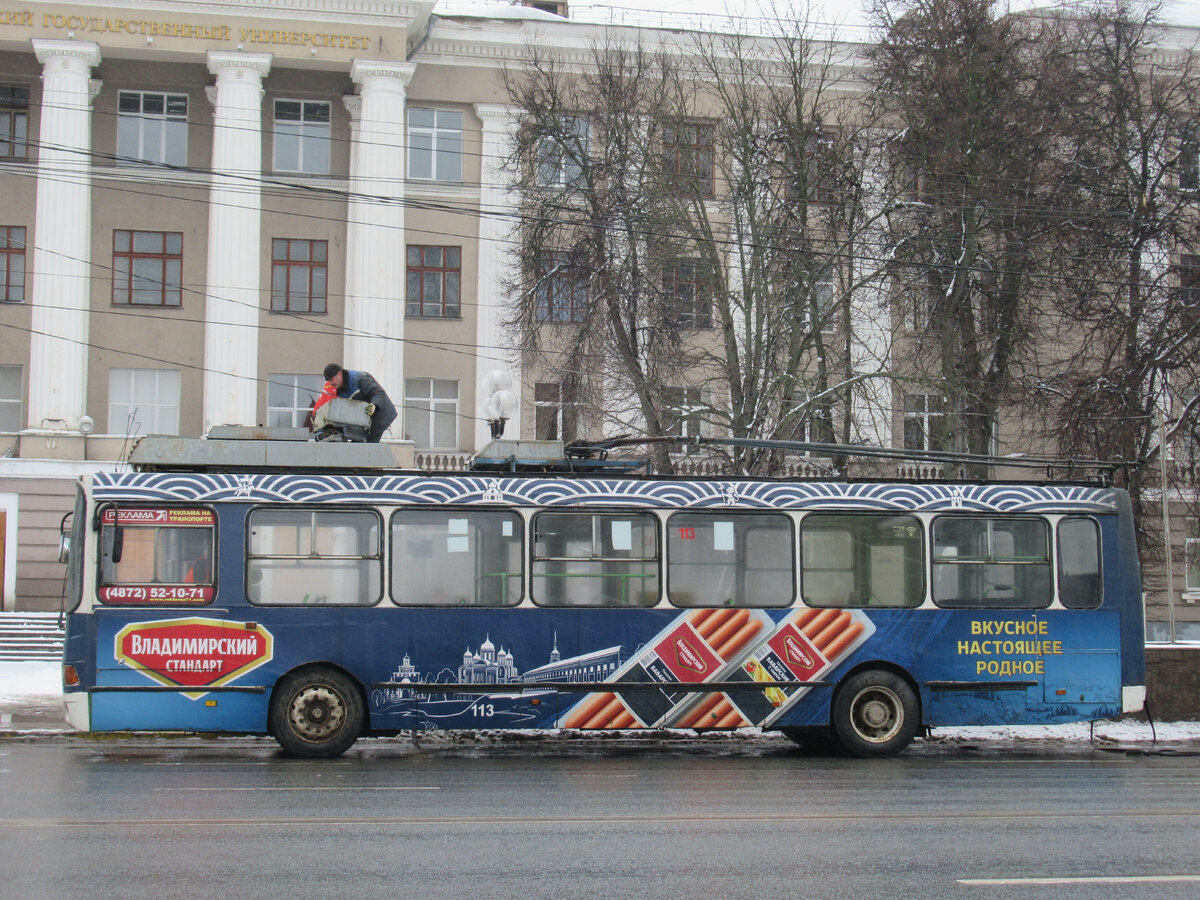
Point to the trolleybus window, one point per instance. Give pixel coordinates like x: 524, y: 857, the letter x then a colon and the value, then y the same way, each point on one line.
x: 982, y: 561
x: 1079, y: 583
x: 309, y: 556
x: 862, y: 560
x: 457, y: 557
x: 730, y: 559
x: 595, y: 559
x: 156, y: 556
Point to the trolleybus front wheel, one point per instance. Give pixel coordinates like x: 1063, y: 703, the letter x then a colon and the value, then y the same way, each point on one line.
x: 316, y: 713
x: 875, y: 713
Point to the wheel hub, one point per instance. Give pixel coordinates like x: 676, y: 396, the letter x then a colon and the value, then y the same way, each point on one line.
x: 877, y: 714
x: 317, y: 713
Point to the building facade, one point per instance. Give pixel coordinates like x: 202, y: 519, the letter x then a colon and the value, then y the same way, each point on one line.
x: 206, y: 202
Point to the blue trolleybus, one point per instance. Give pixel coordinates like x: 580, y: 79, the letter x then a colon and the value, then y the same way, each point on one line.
x: 320, y: 605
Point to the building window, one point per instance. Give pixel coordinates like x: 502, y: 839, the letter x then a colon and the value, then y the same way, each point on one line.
x: 435, y: 144
x: 1188, y: 273
x: 688, y: 157
x: 143, y: 401
x: 299, y: 272
x: 560, y: 156
x: 152, y: 127
x: 683, y: 411
x: 10, y: 398
x: 556, y: 412
x: 555, y: 7
x: 919, y: 306
x: 431, y: 413
x: 811, y: 177
x: 289, y: 398
x: 562, y: 288
x: 914, y: 183
x: 686, y: 288
x: 924, y: 422
x: 1189, y: 158
x: 302, y: 136
x: 147, y: 268
x: 818, y: 297
x: 12, y: 263
x: 826, y: 297
x: 14, y: 121
x: 819, y: 169
x: 434, y: 281
x: 1191, y: 549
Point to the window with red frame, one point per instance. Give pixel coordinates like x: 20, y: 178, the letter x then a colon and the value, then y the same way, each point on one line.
x: 686, y: 289
x: 688, y: 152
x: 562, y: 289
x: 147, y: 268
x: 434, y: 281
x: 299, y: 272
x: 12, y: 263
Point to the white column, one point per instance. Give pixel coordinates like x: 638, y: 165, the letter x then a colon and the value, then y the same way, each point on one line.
x: 234, y: 284
x: 495, y: 199
x: 375, y: 244
x: 62, y: 253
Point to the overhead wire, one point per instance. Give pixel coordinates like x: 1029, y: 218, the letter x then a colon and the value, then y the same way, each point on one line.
x: 518, y: 218
x: 285, y: 187
x: 472, y: 350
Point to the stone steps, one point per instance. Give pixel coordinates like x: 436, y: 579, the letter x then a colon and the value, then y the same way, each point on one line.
x: 30, y: 636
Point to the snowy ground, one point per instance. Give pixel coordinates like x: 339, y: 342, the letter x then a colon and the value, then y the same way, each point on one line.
x: 30, y: 682
x: 29, y: 686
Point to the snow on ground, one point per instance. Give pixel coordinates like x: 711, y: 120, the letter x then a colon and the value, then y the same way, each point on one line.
x: 38, y: 684
x: 35, y: 682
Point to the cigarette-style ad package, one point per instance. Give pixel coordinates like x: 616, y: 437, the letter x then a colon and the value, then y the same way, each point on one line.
x: 698, y: 646
x: 802, y: 647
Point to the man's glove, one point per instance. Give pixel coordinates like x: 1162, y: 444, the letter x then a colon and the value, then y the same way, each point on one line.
x: 370, y: 409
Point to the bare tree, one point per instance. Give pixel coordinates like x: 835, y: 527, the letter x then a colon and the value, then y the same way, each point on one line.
x: 700, y: 204
x: 1133, y: 275
x: 972, y: 94
x: 595, y: 224
x: 798, y: 208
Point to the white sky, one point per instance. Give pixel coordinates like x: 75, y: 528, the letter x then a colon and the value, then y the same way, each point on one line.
x: 845, y: 15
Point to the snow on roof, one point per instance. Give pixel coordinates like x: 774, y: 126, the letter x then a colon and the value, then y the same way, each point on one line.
x: 482, y: 11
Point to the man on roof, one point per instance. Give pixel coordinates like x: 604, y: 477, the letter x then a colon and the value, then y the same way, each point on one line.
x: 352, y: 384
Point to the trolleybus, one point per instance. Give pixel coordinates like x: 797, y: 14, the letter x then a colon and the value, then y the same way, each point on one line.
x: 322, y: 605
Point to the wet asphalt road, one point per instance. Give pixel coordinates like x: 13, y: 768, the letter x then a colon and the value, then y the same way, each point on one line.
x: 506, y: 818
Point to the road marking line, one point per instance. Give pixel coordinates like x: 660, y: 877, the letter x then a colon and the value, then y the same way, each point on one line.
x: 1167, y: 783
x: 506, y: 821
x: 172, y: 790
x: 1092, y: 879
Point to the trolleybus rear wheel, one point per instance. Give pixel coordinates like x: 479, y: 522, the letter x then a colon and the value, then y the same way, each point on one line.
x: 875, y: 713
x: 316, y: 713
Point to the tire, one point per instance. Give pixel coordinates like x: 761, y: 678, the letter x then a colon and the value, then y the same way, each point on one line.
x: 316, y: 713
x: 875, y: 713
x: 815, y: 740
